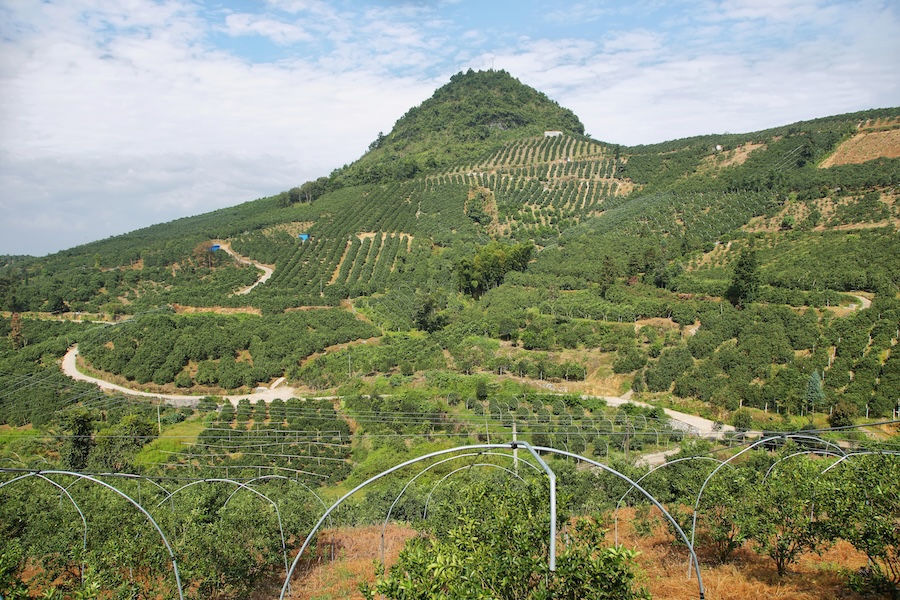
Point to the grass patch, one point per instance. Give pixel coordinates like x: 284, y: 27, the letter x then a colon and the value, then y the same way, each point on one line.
x: 173, y: 439
x: 9, y: 434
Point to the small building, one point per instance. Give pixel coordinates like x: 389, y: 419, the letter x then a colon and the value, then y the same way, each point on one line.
x: 303, y: 237
x: 214, y: 247
x: 552, y: 133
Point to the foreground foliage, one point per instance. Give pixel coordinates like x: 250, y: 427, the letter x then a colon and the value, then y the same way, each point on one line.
x: 497, y: 547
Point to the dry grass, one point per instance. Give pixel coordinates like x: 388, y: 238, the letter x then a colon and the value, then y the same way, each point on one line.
x: 737, y: 156
x: 355, y: 550
x: 663, y: 568
x: 748, y: 575
x: 219, y: 310
x: 866, y: 146
x: 293, y: 228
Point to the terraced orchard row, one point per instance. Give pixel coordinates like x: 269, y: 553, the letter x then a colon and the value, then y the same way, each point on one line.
x: 366, y: 239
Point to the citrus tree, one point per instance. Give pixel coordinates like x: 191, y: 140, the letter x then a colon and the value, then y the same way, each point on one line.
x: 496, y: 546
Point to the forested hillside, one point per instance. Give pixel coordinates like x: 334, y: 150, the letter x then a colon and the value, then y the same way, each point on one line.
x: 485, y: 268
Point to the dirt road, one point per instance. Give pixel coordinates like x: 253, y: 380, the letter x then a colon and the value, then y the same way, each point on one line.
x: 683, y: 421
x: 688, y: 423
x: 266, y: 269
x: 70, y: 368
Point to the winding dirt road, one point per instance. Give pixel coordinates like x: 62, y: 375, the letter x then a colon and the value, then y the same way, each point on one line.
x: 865, y: 302
x: 692, y: 423
x: 70, y: 367
x: 267, y: 270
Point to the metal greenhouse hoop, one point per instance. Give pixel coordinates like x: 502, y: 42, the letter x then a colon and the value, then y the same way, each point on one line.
x: 72, y: 500
x: 608, y: 469
x: 513, y: 473
x: 422, y: 472
x: 534, y: 451
x: 747, y: 449
x: 795, y: 454
x: 134, y: 503
x: 511, y: 445
x: 853, y: 454
x: 240, y: 485
x: 647, y: 474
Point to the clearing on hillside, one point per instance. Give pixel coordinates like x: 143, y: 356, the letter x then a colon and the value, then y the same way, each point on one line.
x: 866, y: 146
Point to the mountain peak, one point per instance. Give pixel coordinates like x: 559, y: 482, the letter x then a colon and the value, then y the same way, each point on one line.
x: 463, y: 119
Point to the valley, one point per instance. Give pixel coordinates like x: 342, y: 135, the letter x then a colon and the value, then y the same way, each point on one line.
x: 492, y: 289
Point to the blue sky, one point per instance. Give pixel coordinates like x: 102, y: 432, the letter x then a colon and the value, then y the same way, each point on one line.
x: 115, y: 115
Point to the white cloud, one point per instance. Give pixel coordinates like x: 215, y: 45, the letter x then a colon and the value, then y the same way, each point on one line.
x: 580, y: 12
x: 769, y: 10
x: 278, y: 31
x: 118, y: 115
x: 72, y: 200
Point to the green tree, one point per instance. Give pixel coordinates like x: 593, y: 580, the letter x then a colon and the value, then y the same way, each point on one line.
x: 724, y: 514
x: 787, y: 518
x: 815, y: 394
x: 742, y: 420
x: 744, y: 286
x: 497, y: 547
x: 116, y: 445
x: 842, y: 414
x: 79, y: 426
x: 311, y: 190
x: 863, y: 501
x: 486, y: 269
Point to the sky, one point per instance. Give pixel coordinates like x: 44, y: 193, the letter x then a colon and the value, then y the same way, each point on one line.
x: 119, y: 114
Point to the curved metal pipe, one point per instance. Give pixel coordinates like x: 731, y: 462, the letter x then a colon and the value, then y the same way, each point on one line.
x: 135, y: 504
x: 139, y: 478
x: 250, y: 489
x: 511, y: 445
x: 648, y: 473
x: 298, y: 482
x: 422, y: 472
x: 747, y: 449
x: 457, y: 470
x: 852, y: 454
x: 784, y: 458
x: 72, y: 500
x: 666, y: 514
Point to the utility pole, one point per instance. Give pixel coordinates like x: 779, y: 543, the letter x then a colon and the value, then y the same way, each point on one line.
x: 515, y: 449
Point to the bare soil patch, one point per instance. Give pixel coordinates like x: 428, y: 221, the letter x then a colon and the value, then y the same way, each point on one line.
x: 355, y: 550
x: 293, y: 228
x: 662, y: 566
x: 866, y: 146
x: 715, y: 256
x: 219, y: 310
x: 737, y: 156
x: 656, y: 322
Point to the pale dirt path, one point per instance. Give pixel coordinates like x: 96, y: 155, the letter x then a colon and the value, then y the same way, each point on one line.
x: 866, y: 303
x: 692, y: 423
x: 70, y: 368
x: 696, y: 424
x: 657, y: 458
x: 267, y: 270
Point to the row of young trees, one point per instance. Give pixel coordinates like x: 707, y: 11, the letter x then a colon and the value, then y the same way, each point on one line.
x: 764, y: 356
x: 781, y: 505
x: 210, y: 350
